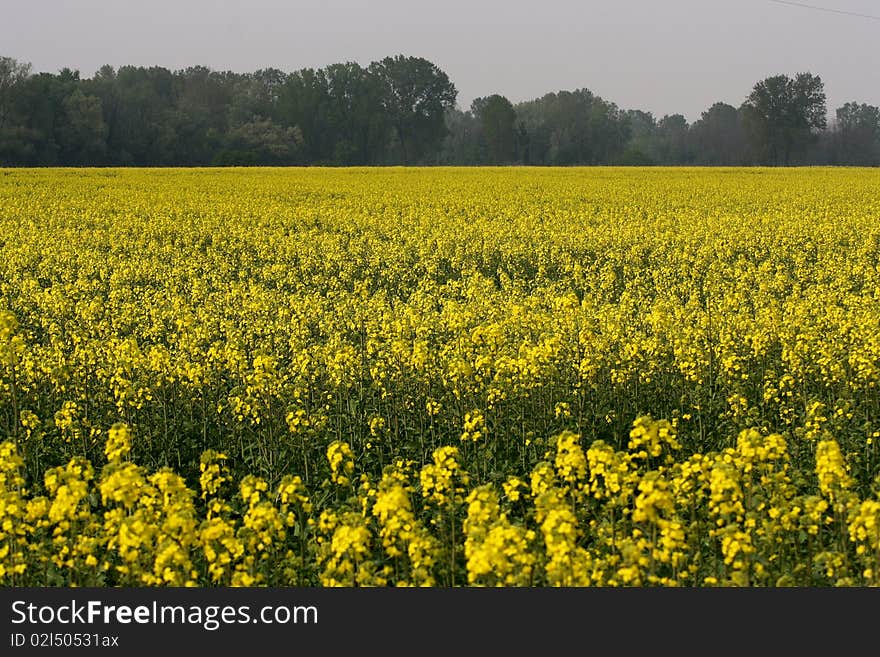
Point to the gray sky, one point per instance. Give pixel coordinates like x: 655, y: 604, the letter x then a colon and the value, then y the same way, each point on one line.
x: 664, y: 56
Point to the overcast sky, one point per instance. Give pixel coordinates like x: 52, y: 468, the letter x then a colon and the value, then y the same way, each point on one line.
x: 664, y: 56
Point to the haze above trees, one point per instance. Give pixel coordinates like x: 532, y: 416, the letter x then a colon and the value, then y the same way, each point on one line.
x: 400, y: 110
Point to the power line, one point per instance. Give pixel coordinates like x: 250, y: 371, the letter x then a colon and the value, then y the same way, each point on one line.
x: 826, y: 9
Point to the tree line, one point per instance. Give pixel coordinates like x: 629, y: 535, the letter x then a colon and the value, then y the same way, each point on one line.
x: 399, y: 110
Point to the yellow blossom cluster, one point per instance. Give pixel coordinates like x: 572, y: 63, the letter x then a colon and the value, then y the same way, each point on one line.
x: 733, y: 518
x: 439, y: 376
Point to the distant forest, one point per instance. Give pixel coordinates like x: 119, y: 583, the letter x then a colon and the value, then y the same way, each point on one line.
x: 400, y: 110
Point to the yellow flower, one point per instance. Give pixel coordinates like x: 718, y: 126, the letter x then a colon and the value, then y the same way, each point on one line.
x: 341, y: 460
x: 118, y: 442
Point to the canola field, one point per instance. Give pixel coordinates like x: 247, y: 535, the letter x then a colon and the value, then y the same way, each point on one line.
x: 440, y: 377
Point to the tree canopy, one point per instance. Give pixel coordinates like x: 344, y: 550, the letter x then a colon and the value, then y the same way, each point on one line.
x: 783, y: 116
x: 398, y: 110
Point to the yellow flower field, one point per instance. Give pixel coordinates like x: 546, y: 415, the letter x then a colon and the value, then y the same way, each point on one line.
x: 440, y: 377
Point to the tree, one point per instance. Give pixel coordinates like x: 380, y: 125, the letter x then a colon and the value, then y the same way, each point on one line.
x: 302, y: 103
x: 672, y: 137
x: 196, y: 118
x: 12, y: 73
x: 82, y: 133
x: 17, y: 142
x: 37, y: 117
x: 782, y: 116
x: 354, y: 115
x: 641, y: 149
x: 415, y: 96
x: 141, y: 132
x: 571, y: 127
x: 464, y: 143
x: 717, y: 137
x: 259, y: 142
x: 498, y: 120
x: 609, y: 131
x: 857, y: 135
